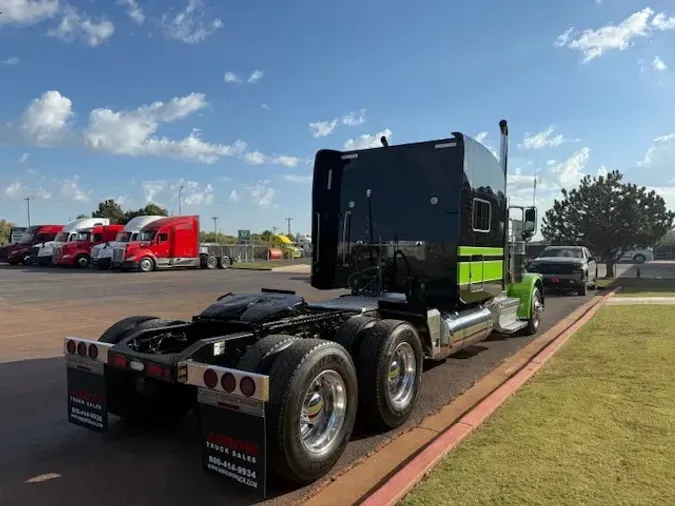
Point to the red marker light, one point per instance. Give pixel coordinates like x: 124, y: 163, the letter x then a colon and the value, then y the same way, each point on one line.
x: 210, y: 378
x: 82, y: 349
x: 154, y: 369
x: 93, y: 351
x: 71, y: 347
x: 247, y: 386
x: 228, y: 382
x: 119, y: 361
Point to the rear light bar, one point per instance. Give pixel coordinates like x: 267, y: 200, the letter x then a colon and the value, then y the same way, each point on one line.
x: 78, y: 348
x: 231, y: 381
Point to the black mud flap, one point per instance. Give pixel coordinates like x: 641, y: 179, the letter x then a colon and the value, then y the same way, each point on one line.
x: 234, y: 440
x: 86, y: 394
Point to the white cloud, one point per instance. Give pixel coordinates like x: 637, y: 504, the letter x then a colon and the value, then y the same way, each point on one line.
x: 255, y: 76
x: 27, y: 12
x: 232, y: 77
x: 542, y: 139
x: 322, y: 128
x: 47, y: 117
x: 234, y: 196
x: 261, y: 194
x: 189, y: 25
x: 662, y: 22
x: 266, y: 107
x: 132, y: 132
x: 659, y: 65
x: 70, y: 188
x: 15, y: 189
x: 24, y: 158
x: 19, y: 190
x: 298, y: 178
x: 133, y: 10
x: 571, y: 171
x: 10, y: 61
x: 660, y: 155
x: 594, y: 43
x: 75, y: 25
x: 367, y: 141
x: 258, y: 158
x: 354, y: 119
x: 192, y: 193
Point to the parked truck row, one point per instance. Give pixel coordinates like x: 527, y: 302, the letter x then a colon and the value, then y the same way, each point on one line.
x: 144, y: 244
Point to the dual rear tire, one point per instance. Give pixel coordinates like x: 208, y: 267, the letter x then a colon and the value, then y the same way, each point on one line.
x: 372, y: 369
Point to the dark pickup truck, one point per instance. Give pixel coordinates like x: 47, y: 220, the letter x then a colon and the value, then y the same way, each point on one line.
x: 566, y: 268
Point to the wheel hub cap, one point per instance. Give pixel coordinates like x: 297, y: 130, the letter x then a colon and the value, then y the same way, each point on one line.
x: 324, y: 409
x: 402, y: 376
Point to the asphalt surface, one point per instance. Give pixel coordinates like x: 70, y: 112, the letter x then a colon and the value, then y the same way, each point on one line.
x: 45, y: 460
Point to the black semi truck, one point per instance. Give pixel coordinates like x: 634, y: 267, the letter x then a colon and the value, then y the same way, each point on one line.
x: 418, y: 233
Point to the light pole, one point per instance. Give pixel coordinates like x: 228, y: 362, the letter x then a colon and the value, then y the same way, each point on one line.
x: 180, y: 192
x: 289, y: 220
x: 28, y: 199
x: 215, y: 227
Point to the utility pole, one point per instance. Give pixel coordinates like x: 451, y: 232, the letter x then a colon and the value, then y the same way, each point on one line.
x: 28, y: 199
x: 289, y: 220
x: 180, y: 192
x: 274, y: 230
x: 215, y: 227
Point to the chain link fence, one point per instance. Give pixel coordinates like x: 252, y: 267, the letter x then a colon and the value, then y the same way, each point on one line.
x: 252, y: 252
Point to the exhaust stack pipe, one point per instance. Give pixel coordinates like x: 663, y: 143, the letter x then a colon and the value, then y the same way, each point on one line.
x: 504, y: 146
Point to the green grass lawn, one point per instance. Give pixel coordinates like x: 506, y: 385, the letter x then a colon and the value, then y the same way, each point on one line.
x: 633, y: 287
x: 595, y: 427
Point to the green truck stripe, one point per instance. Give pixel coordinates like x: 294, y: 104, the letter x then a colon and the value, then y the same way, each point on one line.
x: 475, y: 250
x: 479, y: 271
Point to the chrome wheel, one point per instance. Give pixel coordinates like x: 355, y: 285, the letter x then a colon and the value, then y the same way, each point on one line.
x: 323, y: 413
x: 146, y: 265
x: 401, y: 377
x: 537, y: 309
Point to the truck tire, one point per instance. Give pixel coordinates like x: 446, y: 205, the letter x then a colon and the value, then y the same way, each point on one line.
x: 211, y: 262
x: 146, y: 264
x: 390, y: 372
x: 259, y: 357
x: 118, y: 331
x: 224, y: 262
x: 350, y: 334
x: 82, y: 261
x: 535, y: 317
x: 312, y: 409
x: 166, y: 403
x: 583, y: 289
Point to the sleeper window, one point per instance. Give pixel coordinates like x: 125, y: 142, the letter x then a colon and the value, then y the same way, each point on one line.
x: 482, y: 215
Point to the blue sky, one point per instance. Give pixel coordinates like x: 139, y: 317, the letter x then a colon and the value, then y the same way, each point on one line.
x: 131, y: 99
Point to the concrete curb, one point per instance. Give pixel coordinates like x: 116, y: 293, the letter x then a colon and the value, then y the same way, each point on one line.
x: 401, y: 483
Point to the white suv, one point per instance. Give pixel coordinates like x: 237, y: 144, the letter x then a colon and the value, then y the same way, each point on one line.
x: 638, y: 256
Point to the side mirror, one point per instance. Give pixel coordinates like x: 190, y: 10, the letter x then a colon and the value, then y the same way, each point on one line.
x: 530, y: 223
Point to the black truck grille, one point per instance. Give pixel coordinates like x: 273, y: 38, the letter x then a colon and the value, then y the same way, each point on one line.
x: 561, y: 268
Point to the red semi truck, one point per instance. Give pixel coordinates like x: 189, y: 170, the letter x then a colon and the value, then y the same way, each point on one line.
x: 78, y: 252
x: 19, y: 252
x: 167, y: 244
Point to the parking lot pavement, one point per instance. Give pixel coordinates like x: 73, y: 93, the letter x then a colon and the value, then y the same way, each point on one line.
x: 44, y: 460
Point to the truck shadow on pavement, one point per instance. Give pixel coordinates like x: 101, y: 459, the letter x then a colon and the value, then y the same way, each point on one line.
x: 46, y: 460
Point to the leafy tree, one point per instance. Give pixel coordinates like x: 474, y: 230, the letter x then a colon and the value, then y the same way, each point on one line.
x: 111, y: 210
x: 608, y: 216
x: 266, y: 236
x: 150, y: 209
x: 82, y: 216
x: 220, y: 238
x: 669, y: 238
x: 5, y: 227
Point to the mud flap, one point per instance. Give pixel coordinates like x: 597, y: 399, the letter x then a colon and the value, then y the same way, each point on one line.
x: 86, y: 394
x: 234, y: 440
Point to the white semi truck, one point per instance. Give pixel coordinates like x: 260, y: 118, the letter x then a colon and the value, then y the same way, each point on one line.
x: 41, y: 254
x: 101, y: 254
